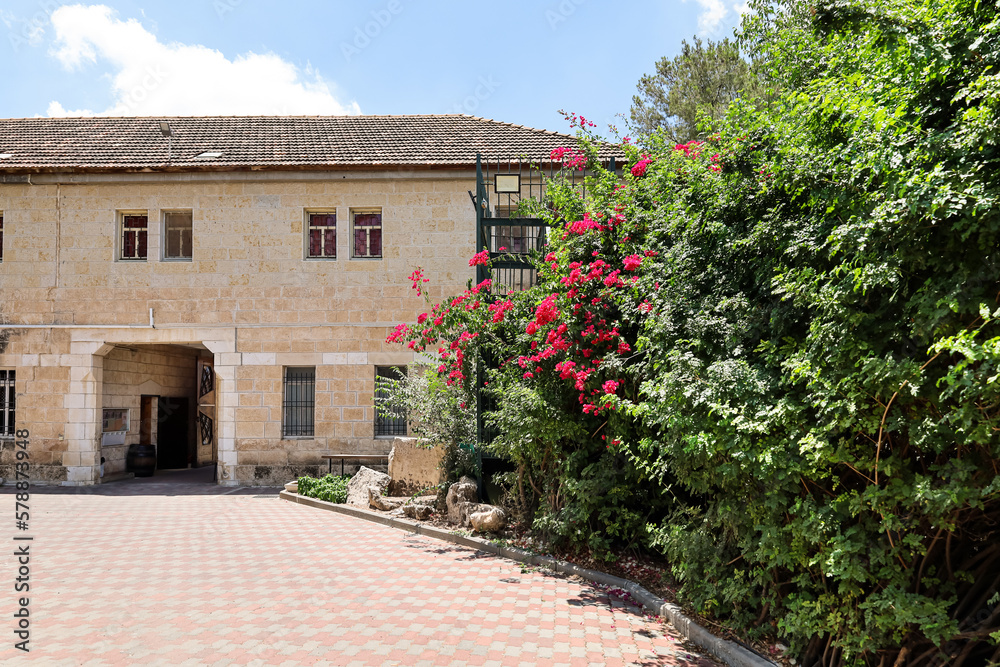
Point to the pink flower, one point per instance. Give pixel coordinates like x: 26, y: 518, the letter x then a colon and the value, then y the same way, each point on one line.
x: 480, y: 259
x: 632, y: 262
x: 421, y: 318
x: 531, y: 328
x: 639, y: 169
x: 610, y: 387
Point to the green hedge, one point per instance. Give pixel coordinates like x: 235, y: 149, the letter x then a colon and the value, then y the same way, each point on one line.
x: 332, y: 488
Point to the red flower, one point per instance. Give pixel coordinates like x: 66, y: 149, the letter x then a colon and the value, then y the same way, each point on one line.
x: 632, y: 262
x: 421, y: 318
x: 480, y: 259
x: 639, y: 169
x: 610, y: 387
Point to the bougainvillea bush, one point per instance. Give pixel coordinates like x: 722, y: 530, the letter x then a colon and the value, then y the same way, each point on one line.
x: 772, y: 354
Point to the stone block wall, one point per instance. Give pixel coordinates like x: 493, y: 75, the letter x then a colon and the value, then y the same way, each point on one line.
x: 247, y: 284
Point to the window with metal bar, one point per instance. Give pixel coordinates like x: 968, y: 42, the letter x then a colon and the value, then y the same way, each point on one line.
x: 321, y: 236
x: 177, y: 235
x: 299, y: 408
x: 7, y: 395
x: 387, y: 424
x: 134, y: 233
x: 367, y: 226
x: 1, y: 237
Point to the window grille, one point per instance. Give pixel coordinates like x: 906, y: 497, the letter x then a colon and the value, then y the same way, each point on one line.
x: 322, y: 236
x: 300, y: 402
x: 177, y: 235
x: 367, y: 233
x: 7, y: 400
x: 134, y: 233
x: 387, y: 424
x: 1, y: 237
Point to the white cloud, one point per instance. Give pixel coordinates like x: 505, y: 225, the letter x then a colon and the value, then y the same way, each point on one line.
x: 21, y: 31
x: 152, y: 78
x: 713, y: 12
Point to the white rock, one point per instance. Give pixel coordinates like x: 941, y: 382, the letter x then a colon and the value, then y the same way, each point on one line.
x: 488, y: 520
x: 465, y: 490
x: 357, y: 488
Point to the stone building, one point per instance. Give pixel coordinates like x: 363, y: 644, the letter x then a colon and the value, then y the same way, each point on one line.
x: 221, y: 287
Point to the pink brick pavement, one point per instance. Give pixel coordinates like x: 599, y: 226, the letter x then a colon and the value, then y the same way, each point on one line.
x: 151, y: 573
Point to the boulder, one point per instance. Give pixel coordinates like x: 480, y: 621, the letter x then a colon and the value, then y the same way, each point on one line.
x: 413, y: 466
x: 418, y: 512
x: 357, y: 488
x: 380, y: 502
x: 465, y: 490
x: 488, y: 519
x: 293, y: 486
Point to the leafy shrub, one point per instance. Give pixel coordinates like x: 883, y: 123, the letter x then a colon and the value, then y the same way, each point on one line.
x: 773, y: 353
x: 331, y: 488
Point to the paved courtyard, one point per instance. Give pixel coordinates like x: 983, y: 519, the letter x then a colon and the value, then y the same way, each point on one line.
x: 172, y: 570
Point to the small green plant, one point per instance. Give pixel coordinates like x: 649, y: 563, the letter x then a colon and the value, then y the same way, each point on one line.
x: 332, y: 488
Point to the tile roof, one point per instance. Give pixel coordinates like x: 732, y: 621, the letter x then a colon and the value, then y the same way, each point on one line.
x: 263, y: 142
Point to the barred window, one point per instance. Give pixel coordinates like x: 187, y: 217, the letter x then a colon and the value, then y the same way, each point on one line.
x: 321, y: 236
x: 367, y: 226
x: 385, y: 423
x: 134, y: 233
x: 177, y: 235
x: 1, y: 237
x: 7, y: 404
x: 299, y: 408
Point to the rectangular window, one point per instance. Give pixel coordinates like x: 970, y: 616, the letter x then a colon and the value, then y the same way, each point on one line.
x: 177, y: 235
x: 388, y: 424
x: 367, y: 230
x: 299, y: 409
x: 134, y: 233
x: 1, y: 237
x: 7, y: 404
x: 321, y: 236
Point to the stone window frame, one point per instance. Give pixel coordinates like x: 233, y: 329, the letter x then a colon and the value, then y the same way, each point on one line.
x: 367, y: 210
x: 165, y: 238
x: 298, y: 416
x: 307, y: 228
x: 8, y: 403
x: 389, y: 427
x: 120, y: 235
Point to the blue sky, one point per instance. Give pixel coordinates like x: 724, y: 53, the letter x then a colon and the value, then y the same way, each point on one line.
x: 516, y: 61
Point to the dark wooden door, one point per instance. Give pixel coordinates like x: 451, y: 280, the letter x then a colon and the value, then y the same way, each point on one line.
x: 172, y: 433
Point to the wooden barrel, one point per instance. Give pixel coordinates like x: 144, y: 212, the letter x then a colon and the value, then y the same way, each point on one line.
x: 141, y: 460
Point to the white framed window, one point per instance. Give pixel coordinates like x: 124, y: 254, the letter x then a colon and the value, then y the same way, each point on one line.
x: 7, y: 403
x: 321, y: 235
x: 177, y: 235
x: 133, y: 235
x: 366, y: 233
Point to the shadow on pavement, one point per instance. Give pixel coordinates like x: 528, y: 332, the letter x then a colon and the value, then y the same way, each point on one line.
x: 183, y: 482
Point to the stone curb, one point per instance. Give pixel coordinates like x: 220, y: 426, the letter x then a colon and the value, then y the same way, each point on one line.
x: 732, y: 653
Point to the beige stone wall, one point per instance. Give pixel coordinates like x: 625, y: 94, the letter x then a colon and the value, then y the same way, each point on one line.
x: 247, y: 290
